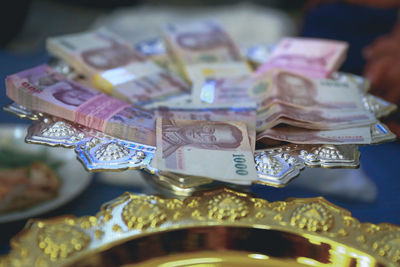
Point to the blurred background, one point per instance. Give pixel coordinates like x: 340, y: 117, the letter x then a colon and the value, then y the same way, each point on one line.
x: 371, y: 193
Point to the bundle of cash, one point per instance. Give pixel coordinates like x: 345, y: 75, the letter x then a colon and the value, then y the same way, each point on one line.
x: 317, y: 58
x: 204, y: 49
x: 116, y: 68
x: 281, y: 86
x: 41, y: 89
x: 285, y: 97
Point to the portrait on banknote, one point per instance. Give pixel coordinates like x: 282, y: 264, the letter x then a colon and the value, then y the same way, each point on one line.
x: 296, y: 89
x: 299, y: 90
x: 47, y: 80
x: 204, y: 134
x: 206, y: 37
x: 109, y: 57
x: 71, y: 94
x: 202, y: 40
x: 42, y: 77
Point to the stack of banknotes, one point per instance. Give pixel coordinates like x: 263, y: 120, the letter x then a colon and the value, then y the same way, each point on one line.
x: 201, y: 104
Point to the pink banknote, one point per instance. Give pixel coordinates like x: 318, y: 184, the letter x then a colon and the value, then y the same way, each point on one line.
x: 317, y: 58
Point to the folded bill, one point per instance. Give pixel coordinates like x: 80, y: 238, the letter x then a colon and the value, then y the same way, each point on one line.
x: 116, y: 68
x: 358, y: 135
x: 217, y: 150
x: 317, y: 119
x: 41, y: 89
x: 317, y: 58
x: 372, y: 134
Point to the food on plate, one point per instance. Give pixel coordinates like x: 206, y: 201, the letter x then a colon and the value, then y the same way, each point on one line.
x: 23, y: 186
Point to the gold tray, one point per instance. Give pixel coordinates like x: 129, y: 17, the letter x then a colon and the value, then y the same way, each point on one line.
x: 213, y: 228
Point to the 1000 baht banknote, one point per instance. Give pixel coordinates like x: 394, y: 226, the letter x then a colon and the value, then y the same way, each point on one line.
x: 217, y: 150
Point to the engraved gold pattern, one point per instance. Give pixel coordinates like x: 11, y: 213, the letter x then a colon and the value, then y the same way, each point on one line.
x: 63, y: 240
x: 60, y: 242
x: 141, y: 214
x: 389, y: 246
x: 313, y: 217
x: 227, y: 207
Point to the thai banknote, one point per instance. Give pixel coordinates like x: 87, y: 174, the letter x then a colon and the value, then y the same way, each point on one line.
x: 116, y: 68
x: 41, y: 89
x: 299, y: 91
x: 233, y: 90
x: 165, y: 61
x: 201, y: 42
x: 204, y: 49
x: 317, y: 58
x: 155, y: 50
x: 362, y: 83
x: 358, y: 135
x: 240, y: 113
x: 217, y: 150
x: 317, y: 119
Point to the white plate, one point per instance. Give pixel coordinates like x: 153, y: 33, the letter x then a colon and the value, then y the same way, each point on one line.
x: 74, y: 178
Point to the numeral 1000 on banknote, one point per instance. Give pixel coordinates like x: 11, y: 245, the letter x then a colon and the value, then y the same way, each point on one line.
x: 240, y: 164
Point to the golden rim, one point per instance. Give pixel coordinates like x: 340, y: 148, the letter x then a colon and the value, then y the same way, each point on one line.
x: 69, y: 240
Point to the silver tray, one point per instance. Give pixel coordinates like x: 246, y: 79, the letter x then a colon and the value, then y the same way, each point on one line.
x: 276, y: 166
